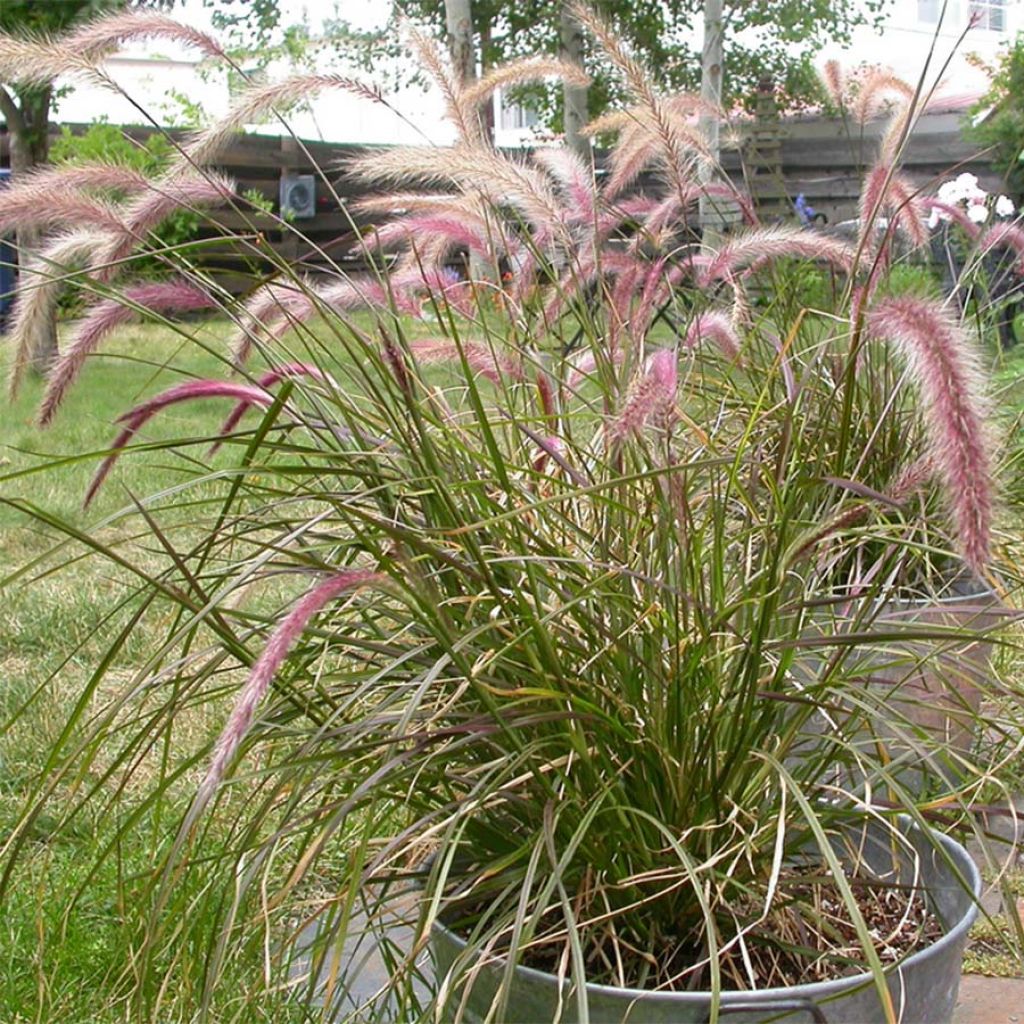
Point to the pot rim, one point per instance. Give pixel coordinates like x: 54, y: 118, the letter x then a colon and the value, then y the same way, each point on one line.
x: 807, y: 990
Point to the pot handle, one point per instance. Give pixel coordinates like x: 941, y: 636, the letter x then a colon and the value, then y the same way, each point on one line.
x: 790, y: 1004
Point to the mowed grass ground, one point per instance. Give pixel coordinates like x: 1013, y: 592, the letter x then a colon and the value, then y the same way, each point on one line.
x: 68, y: 937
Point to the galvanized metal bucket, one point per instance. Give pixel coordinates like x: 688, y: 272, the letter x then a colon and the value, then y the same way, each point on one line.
x: 923, y: 987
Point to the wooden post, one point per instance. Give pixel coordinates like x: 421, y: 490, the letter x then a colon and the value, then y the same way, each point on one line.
x: 290, y: 154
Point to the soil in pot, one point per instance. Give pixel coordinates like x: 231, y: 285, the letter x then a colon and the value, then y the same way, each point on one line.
x: 808, y: 936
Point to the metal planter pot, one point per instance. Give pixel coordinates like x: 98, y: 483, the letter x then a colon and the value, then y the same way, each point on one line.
x: 923, y: 987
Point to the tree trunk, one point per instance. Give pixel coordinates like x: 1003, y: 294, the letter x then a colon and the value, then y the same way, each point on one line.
x: 711, y: 95
x: 28, y: 123
x: 574, y: 97
x: 489, y: 113
x: 459, y: 21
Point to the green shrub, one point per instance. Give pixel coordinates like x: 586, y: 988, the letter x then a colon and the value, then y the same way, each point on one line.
x: 1001, y: 110
x: 107, y: 143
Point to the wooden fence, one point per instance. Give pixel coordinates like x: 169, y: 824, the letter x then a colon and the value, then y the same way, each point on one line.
x: 239, y: 242
x: 821, y: 159
x: 825, y: 160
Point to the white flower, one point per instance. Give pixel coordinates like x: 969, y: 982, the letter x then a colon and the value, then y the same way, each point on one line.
x: 1005, y: 207
x: 962, y: 189
x: 951, y: 192
x: 978, y: 212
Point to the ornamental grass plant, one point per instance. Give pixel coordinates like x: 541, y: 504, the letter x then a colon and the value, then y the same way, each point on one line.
x: 556, y: 500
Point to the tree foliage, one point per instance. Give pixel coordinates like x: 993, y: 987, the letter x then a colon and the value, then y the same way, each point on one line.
x: 1001, y: 116
x: 773, y: 39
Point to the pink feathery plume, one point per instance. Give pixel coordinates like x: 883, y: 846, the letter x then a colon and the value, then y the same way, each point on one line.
x: 580, y: 368
x: 720, y: 190
x: 627, y: 164
x: 263, y: 671
x: 630, y: 208
x: 48, y: 204
x: 584, y: 365
x: 353, y: 294
x: 41, y: 282
x: 861, y: 296
x: 575, y: 180
x: 834, y: 81
x: 450, y: 230
x: 100, y: 177
x: 266, y: 306
x: 344, y: 295
x: 620, y: 301
x: 954, y: 213
x: 55, y: 195
x: 137, y: 417
x: 611, y: 217
x: 908, y: 211
x: 651, y: 396
x: 479, y: 358
x: 181, y: 190
x: 102, y: 35
x: 653, y: 290
x: 716, y: 327
x: 277, y: 307
x: 774, y: 243
x: 1009, y: 235
x: 884, y: 189
x: 910, y: 479
x: 876, y: 89
x: 545, y: 393
x: 669, y: 211
x: 152, y: 296
x: 288, y: 371
x: 460, y: 296
x: 944, y: 367
x: 552, y: 448
x: 431, y: 280
x: 525, y: 263
x: 873, y: 197
x: 186, y: 190
x: 263, y: 98
x: 39, y: 60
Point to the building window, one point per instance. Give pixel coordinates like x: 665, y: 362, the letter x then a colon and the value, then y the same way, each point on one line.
x: 513, y: 116
x: 989, y: 14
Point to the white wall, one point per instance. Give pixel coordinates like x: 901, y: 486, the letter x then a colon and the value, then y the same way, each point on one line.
x: 905, y: 41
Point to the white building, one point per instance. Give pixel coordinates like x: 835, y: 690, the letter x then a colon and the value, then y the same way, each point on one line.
x: 961, y: 31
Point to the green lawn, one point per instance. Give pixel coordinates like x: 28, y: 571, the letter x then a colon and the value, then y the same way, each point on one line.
x: 69, y: 937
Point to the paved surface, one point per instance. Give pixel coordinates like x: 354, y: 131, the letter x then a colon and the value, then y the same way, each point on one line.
x: 990, y: 1001
x: 996, y: 1000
